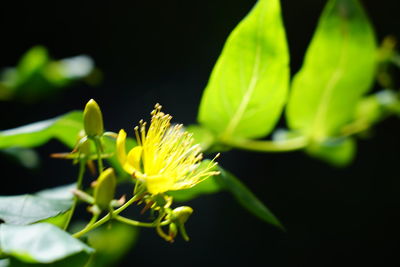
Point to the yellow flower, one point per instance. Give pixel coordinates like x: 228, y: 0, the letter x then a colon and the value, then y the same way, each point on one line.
x: 165, y: 158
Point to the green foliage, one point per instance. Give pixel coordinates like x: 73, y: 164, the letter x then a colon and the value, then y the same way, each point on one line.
x: 51, y: 244
x: 37, y: 76
x: 338, y: 69
x: 65, y: 128
x: 246, y: 198
x: 248, y: 86
x: 27, y: 209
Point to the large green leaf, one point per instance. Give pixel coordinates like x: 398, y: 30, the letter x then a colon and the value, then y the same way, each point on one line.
x: 64, y: 128
x: 338, y: 69
x: 26, y: 209
x: 41, y: 243
x: 246, y: 198
x: 248, y: 86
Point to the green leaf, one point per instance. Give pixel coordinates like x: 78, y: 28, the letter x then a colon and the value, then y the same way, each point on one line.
x: 246, y: 198
x: 27, y: 209
x: 338, y: 152
x: 64, y: 128
x: 248, y: 86
x: 111, y: 243
x: 40, y: 243
x: 338, y: 69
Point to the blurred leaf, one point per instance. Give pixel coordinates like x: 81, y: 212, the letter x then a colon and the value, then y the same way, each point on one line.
x: 26, y: 209
x: 338, y: 152
x: 338, y: 69
x: 37, y: 76
x: 4, y: 262
x: 64, y: 128
x: 41, y: 243
x: 246, y: 198
x: 111, y: 243
x: 248, y: 86
x: 26, y: 157
x: 201, y: 136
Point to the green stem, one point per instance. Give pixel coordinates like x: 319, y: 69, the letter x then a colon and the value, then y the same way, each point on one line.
x: 137, y: 223
x: 106, y: 218
x: 82, y: 164
x: 98, y: 150
x: 268, y: 146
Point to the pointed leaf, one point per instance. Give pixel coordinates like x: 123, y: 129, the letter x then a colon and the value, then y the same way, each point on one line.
x: 246, y: 198
x: 248, y: 86
x: 64, y: 128
x: 338, y: 69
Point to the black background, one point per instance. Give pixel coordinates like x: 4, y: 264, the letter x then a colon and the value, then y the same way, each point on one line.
x: 164, y: 51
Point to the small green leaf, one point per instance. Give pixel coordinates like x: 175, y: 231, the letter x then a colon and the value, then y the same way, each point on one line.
x: 40, y: 243
x: 246, y: 198
x: 27, y: 209
x: 338, y: 152
x: 338, y: 69
x: 248, y: 86
x: 64, y: 128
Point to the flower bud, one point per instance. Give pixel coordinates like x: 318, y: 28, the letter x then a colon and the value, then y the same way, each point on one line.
x: 181, y: 214
x: 173, y: 231
x: 104, y: 189
x: 93, y: 119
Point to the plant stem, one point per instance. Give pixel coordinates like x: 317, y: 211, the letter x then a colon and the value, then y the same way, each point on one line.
x: 106, y: 218
x: 137, y: 223
x: 82, y: 164
x: 98, y: 150
x: 268, y: 146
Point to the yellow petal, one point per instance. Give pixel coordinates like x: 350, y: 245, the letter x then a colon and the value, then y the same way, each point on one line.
x: 121, y: 152
x: 133, y: 160
x: 158, y: 184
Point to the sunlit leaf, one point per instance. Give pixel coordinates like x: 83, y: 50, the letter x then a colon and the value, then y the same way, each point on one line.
x: 248, y: 86
x: 246, y: 198
x: 65, y: 128
x: 338, y: 69
x: 41, y: 243
x: 26, y: 209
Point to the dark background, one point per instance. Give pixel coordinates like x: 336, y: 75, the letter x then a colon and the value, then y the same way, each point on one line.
x: 164, y: 51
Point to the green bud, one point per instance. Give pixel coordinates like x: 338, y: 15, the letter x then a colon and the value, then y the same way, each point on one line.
x: 173, y: 230
x: 181, y: 214
x: 93, y: 119
x: 104, y: 189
